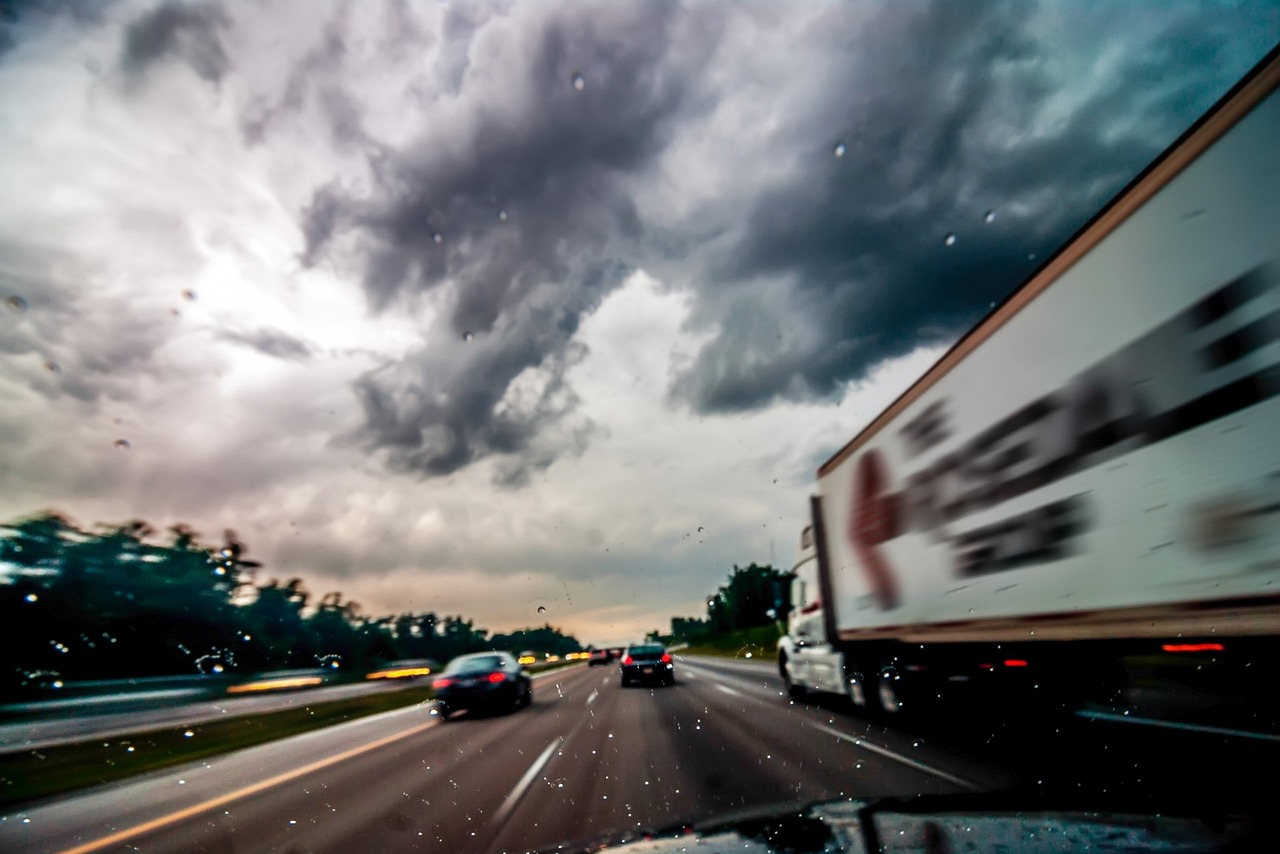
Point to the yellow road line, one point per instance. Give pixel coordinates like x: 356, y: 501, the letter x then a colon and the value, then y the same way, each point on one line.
x: 252, y: 789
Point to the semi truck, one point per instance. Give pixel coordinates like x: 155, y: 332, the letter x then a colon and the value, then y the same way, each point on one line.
x: 1077, y: 507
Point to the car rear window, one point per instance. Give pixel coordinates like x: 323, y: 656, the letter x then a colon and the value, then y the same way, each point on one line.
x: 646, y: 651
x: 475, y: 665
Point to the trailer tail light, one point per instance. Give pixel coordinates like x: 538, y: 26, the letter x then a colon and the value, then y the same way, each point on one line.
x: 1015, y: 662
x: 628, y: 660
x: 497, y: 677
x: 666, y: 658
x: 1192, y: 647
x: 443, y: 682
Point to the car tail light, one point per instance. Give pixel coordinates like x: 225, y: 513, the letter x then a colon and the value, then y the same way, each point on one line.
x: 1192, y: 647
x: 497, y: 677
x: 666, y: 658
x: 443, y: 682
x: 1014, y: 662
x: 628, y: 660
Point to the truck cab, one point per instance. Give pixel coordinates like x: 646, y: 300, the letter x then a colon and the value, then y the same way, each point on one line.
x: 807, y: 660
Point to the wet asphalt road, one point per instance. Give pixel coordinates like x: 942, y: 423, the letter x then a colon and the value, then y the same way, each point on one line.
x: 586, y: 760
x: 590, y: 759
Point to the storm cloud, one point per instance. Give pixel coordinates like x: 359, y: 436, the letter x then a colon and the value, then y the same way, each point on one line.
x: 486, y: 306
x: 930, y: 166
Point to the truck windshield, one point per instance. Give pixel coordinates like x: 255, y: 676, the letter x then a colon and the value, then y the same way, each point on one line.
x: 884, y: 394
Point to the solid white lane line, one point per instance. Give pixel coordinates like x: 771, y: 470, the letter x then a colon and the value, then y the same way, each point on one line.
x: 513, y: 797
x: 728, y: 690
x: 1213, y: 730
x: 591, y: 698
x: 898, y: 757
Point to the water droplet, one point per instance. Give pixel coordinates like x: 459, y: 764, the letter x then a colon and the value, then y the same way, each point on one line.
x: 188, y: 734
x: 542, y: 609
x: 502, y: 215
x: 839, y: 150
x: 189, y: 295
x: 31, y: 597
x: 579, y: 82
x: 128, y: 750
x: 437, y: 238
x: 950, y: 239
x: 53, y: 367
x: 182, y: 782
x: 26, y: 821
x: 57, y: 683
x: 468, y: 335
x: 989, y: 217
x: 1031, y: 256
x: 699, y: 530
x: 16, y: 304
x: 123, y: 444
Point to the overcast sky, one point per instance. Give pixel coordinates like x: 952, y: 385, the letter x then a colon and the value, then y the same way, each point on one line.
x: 488, y: 307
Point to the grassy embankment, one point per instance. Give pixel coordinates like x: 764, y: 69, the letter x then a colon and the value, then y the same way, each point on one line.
x: 759, y: 643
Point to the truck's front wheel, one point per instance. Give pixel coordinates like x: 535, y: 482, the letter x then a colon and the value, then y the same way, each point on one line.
x: 794, y: 691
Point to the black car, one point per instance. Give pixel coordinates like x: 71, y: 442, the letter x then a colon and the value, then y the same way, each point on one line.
x: 491, y: 681
x: 598, y: 656
x: 647, y: 662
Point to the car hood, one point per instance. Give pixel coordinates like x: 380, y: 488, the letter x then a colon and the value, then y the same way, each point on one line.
x: 941, y: 825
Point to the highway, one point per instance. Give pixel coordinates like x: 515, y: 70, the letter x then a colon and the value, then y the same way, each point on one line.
x: 587, y: 759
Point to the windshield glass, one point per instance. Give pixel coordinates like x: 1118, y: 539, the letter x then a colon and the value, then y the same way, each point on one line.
x: 904, y: 370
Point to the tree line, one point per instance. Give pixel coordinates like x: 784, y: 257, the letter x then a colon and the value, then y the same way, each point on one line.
x: 127, y: 601
x: 753, y: 596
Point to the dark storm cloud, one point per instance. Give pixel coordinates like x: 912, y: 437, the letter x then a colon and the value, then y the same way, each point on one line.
x: 856, y: 250
x: 523, y: 210
x: 191, y: 32
x: 520, y: 215
x: 271, y: 342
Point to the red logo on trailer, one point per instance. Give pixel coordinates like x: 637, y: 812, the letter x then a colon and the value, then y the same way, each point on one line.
x: 872, y: 521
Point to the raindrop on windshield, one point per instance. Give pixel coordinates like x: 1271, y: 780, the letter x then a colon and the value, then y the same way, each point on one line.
x: 31, y: 597
x: 437, y: 238
x: 502, y: 215
x: 579, y: 82
x: 53, y: 367
x: 123, y: 444
x: 839, y: 150
x: 467, y: 336
x: 16, y: 303
x: 950, y: 239
x: 189, y: 295
x: 989, y: 217
x: 700, y: 530
x: 542, y: 609
x: 188, y: 734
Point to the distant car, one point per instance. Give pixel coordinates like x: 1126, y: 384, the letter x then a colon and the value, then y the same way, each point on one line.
x: 598, y: 656
x: 647, y: 662
x: 616, y: 652
x: 527, y: 658
x: 484, y: 680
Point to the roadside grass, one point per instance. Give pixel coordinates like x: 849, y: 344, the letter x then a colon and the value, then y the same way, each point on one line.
x: 756, y: 644
x: 32, y: 774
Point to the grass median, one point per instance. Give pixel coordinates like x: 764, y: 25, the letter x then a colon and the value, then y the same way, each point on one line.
x: 32, y: 774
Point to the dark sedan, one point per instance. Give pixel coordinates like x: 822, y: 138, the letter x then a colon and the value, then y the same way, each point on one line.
x: 648, y: 662
x: 490, y: 681
x: 598, y: 656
